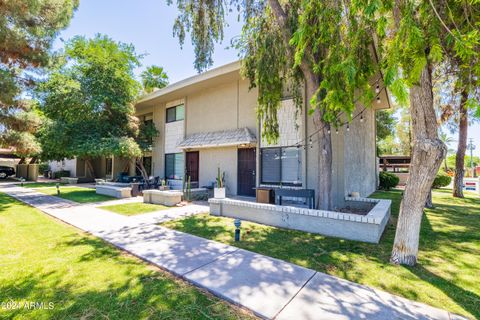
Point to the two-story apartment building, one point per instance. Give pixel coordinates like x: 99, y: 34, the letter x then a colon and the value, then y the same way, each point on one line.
x: 208, y: 121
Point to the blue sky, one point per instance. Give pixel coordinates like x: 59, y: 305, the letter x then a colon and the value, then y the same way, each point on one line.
x: 147, y: 24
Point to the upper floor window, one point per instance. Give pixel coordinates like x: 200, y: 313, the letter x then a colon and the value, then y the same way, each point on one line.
x: 176, y: 113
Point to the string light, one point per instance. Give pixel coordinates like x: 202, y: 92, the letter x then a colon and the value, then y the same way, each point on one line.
x: 361, y: 117
x: 378, y: 99
x: 377, y: 88
x: 328, y: 131
x: 336, y: 131
x: 348, y: 127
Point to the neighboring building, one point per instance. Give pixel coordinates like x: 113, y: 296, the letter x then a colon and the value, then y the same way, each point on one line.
x: 209, y: 121
x: 8, y: 158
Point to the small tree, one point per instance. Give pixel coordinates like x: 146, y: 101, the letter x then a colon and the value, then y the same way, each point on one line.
x: 145, y: 139
x: 88, y: 98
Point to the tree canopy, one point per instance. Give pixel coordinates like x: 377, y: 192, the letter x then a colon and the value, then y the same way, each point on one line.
x: 88, y: 98
x: 27, y: 30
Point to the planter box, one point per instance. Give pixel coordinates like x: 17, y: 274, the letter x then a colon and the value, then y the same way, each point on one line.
x: 113, y: 191
x: 166, y: 198
x: 219, y: 193
x: 69, y: 180
x: 368, y: 228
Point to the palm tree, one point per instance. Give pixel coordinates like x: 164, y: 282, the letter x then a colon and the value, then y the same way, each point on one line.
x: 154, y: 77
x: 447, y: 140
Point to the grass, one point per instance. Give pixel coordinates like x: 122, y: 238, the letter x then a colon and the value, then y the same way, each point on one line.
x: 77, y: 194
x: 35, y: 185
x: 43, y: 260
x: 447, y: 274
x: 131, y: 209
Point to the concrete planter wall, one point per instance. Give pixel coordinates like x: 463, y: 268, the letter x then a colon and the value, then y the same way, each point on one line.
x: 166, y: 198
x: 368, y: 228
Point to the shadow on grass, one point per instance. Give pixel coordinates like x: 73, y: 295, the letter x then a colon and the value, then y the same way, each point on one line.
x: 466, y: 299
x: 145, y: 295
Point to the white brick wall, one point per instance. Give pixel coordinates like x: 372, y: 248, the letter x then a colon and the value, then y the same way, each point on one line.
x: 174, y: 134
x: 367, y: 228
x: 290, y: 125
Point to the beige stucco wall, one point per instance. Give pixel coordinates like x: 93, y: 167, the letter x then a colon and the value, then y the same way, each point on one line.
x: 226, y: 159
x: 225, y: 107
x: 360, y: 168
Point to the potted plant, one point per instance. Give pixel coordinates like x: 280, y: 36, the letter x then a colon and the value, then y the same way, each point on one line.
x: 219, y: 190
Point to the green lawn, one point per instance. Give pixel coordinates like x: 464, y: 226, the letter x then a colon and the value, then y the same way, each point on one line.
x: 131, y: 209
x: 447, y: 275
x: 35, y: 185
x: 43, y: 260
x: 77, y: 194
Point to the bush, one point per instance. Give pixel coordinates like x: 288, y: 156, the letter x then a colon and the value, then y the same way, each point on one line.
x: 388, y: 180
x: 441, y: 180
x: 43, y: 167
x: 61, y: 173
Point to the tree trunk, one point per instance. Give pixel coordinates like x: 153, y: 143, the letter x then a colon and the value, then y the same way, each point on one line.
x: 312, y: 83
x: 427, y: 154
x: 90, y: 170
x: 324, y: 155
x: 429, y: 202
x: 462, y: 147
x: 141, y: 167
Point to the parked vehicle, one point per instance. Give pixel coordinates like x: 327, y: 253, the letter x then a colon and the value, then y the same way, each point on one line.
x: 6, y: 172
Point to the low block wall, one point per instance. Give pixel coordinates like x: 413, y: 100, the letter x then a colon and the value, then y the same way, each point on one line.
x: 368, y: 228
x: 167, y: 198
x: 116, y: 192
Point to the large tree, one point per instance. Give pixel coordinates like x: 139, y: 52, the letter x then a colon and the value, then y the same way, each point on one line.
x: 88, y: 99
x: 420, y: 40
x: 27, y: 30
x: 322, y: 46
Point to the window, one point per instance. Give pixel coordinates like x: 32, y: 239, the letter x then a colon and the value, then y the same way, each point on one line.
x: 281, y: 166
x: 176, y: 113
x: 174, y: 166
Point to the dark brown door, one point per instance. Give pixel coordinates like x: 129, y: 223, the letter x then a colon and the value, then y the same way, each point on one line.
x: 246, y: 171
x: 191, y: 166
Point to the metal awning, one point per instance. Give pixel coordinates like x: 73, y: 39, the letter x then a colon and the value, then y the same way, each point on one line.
x: 215, y: 139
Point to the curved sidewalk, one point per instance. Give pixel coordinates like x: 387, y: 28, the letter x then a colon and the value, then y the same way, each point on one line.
x: 271, y: 288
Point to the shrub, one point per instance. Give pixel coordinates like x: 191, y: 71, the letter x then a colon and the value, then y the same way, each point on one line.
x: 441, y: 180
x: 43, y: 167
x: 388, y: 180
x: 61, y: 173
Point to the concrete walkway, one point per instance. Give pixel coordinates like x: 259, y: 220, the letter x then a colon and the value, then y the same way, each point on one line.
x: 271, y: 288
